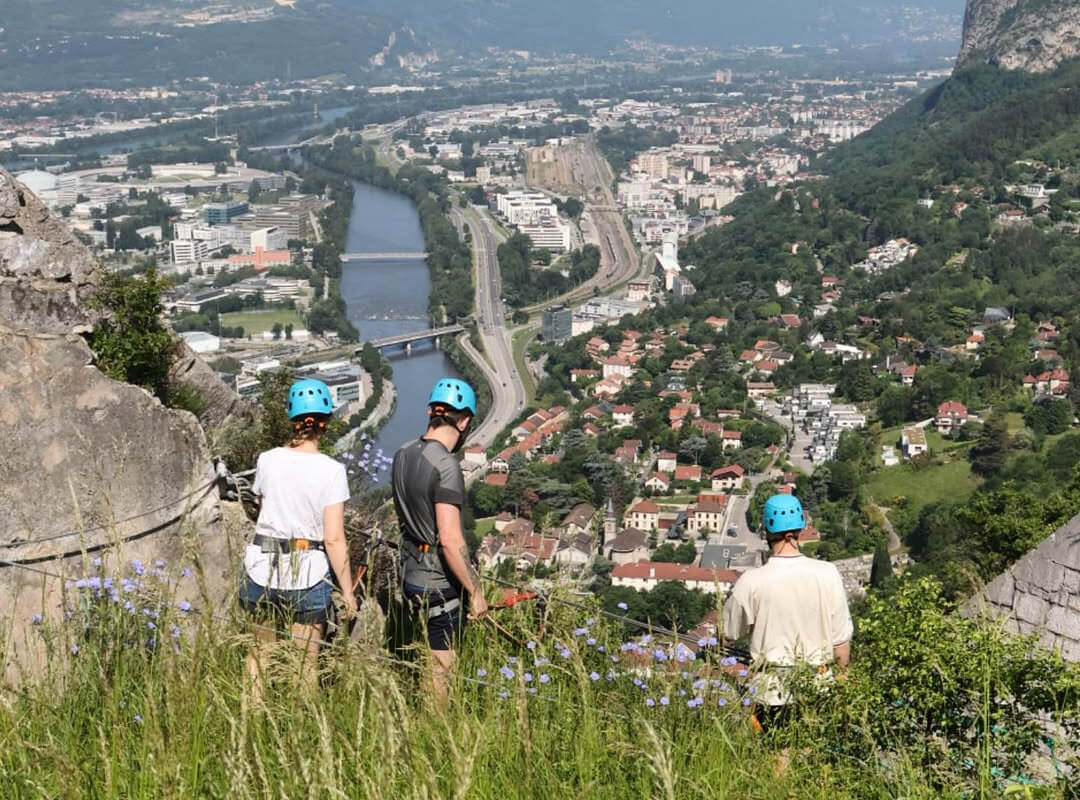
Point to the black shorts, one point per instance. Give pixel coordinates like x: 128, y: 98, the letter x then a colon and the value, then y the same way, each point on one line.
x: 444, y: 631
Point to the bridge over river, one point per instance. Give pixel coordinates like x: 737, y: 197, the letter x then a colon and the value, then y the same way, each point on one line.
x: 383, y: 256
x: 407, y: 340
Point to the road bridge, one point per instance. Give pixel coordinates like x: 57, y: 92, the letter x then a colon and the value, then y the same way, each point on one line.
x: 383, y: 256
x: 407, y: 340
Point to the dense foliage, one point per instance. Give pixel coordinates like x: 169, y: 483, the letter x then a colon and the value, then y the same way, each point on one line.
x: 524, y: 284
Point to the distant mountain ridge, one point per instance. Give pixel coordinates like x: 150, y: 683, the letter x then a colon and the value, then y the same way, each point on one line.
x: 73, y: 43
x: 586, y: 27
x: 1030, y: 35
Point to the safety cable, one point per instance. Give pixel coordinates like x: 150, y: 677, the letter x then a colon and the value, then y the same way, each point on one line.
x: 205, y: 489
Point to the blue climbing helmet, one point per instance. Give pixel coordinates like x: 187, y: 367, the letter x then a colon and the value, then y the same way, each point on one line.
x: 783, y: 513
x: 309, y: 396
x: 454, y: 393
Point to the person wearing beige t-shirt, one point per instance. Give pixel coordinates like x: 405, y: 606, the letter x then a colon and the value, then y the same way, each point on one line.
x: 794, y: 610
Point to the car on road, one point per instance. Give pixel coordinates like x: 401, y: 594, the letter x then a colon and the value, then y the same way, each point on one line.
x: 732, y: 531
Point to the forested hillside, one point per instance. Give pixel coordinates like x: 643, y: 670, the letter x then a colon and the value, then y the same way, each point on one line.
x: 977, y: 183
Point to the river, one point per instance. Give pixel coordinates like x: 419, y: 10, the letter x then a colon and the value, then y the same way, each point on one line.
x: 388, y: 298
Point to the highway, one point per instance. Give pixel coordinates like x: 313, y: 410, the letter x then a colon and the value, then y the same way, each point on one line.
x: 508, y: 393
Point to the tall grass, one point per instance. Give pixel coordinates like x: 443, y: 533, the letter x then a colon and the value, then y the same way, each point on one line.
x: 128, y: 711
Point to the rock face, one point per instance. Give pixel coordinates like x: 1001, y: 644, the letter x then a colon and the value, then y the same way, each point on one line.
x: 87, y: 464
x: 222, y: 402
x: 1029, y: 35
x: 1040, y: 593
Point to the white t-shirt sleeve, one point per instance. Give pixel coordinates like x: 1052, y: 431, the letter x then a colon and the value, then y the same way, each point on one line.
x: 337, y: 488
x: 840, y: 616
x: 737, y: 622
x: 260, y: 477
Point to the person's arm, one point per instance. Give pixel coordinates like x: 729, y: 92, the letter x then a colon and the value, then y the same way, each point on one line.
x: 456, y: 554
x: 841, y: 654
x: 337, y: 551
x: 843, y: 628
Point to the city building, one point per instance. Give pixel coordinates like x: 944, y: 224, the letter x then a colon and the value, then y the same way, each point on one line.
x: 188, y: 251
x: 645, y: 575
x: 557, y: 323
x: 201, y: 342
x: 913, y: 442
x: 224, y: 213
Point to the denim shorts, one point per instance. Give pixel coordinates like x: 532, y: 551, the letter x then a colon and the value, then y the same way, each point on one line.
x: 444, y: 631
x: 309, y: 606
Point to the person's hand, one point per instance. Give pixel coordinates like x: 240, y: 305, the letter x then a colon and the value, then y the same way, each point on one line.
x: 350, y: 609
x: 478, y: 606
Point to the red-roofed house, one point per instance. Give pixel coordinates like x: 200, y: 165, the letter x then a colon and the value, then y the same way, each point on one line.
x: 658, y: 482
x: 950, y: 415
x: 593, y: 412
x: 749, y: 356
x: 644, y: 516
x: 687, y: 472
x: 496, y: 478
x: 975, y: 341
x: 590, y: 429
x: 717, y: 323
x: 623, y: 415
x: 700, y: 516
x: 1056, y: 381
x: 907, y: 375
x: 476, y: 456
x: 616, y: 365
x: 645, y: 575
x: 755, y: 389
x: 727, y: 478
x: 665, y: 462
x: 788, y: 321
x: 732, y: 439
x: 766, y: 367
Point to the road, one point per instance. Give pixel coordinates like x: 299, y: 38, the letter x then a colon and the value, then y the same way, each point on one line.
x: 508, y: 393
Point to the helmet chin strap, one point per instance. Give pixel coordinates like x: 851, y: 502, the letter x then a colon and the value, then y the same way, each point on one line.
x: 462, y: 436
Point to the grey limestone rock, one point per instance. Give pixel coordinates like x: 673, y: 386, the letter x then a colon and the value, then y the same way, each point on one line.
x: 1029, y: 35
x: 89, y: 467
x: 1041, y: 592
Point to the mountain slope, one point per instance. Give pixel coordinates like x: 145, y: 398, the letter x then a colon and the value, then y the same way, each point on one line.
x: 71, y: 43
x: 567, y: 25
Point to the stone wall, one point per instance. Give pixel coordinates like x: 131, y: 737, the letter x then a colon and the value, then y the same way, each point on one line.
x: 1040, y: 593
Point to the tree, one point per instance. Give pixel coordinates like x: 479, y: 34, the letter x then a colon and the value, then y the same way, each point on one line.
x: 253, y: 191
x: 288, y: 330
x: 487, y: 499
x: 692, y: 447
x: 894, y: 406
x: 881, y: 569
x: 988, y: 453
x: 131, y: 343
x: 276, y: 331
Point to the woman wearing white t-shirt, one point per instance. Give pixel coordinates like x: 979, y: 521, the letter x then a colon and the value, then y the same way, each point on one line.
x: 299, y: 536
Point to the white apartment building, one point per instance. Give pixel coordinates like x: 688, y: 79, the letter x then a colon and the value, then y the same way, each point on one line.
x: 189, y: 251
x: 523, y: 208
x: 269, y: 239
x: 653, y: 164
x: 548, y: 232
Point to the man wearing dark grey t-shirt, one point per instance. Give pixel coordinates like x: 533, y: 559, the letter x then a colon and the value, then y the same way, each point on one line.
x: 429, y: 497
